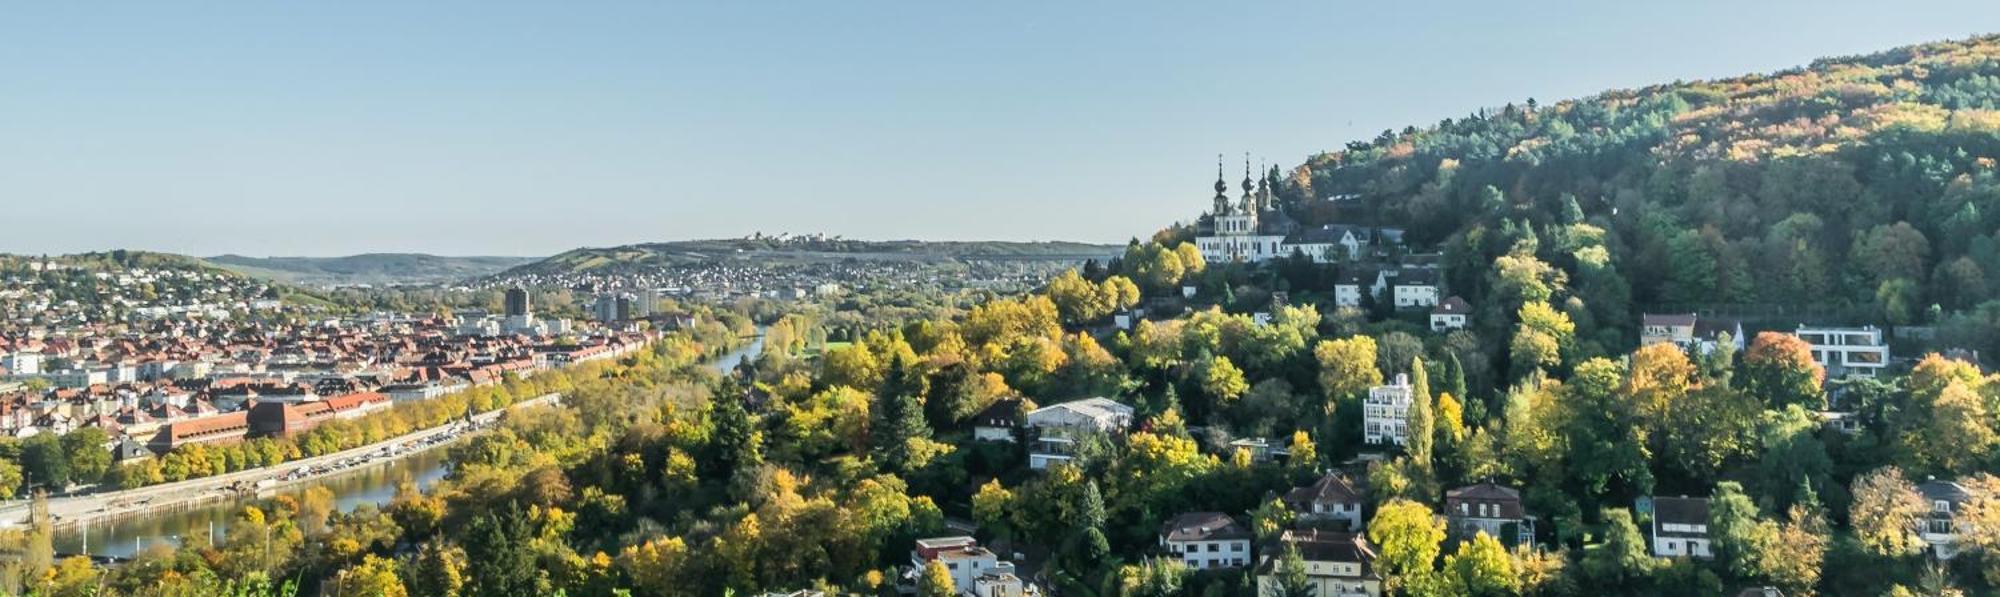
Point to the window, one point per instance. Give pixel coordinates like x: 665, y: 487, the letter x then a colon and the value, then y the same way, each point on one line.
x: 1214, y: 547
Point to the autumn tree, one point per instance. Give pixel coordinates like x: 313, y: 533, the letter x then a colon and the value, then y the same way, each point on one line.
x: 1481, y: 568
x: 1778, y: 368
x: 1540, y: 338
x: 1221, y: 380
x: 1885, y: 513
x: 936, y: 581
x: 1347, y: 366
x: 1408, y: 535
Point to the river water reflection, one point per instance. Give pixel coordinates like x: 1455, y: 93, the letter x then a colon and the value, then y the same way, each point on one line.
x: 375, y: 484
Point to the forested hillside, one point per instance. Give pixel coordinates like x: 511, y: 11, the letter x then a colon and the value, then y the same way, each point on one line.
x: 371, y: 268
x: 1857, y: 189
x: 799, y: 249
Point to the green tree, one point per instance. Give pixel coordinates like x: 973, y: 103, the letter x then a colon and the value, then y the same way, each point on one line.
x: 899, y: 419
x: 1622, y: 561
x: 45, y: 462
x: 499, y: 560
x: 88, y: 454
x: 1422, y: 416
x: 1292, y: 580
x: 1740, y: 539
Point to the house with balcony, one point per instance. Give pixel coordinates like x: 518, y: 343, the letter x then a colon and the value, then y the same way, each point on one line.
x: 1847, y: 351
x: 1058, y: 429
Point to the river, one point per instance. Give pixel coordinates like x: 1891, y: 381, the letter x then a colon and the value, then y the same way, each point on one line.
x: 126, y: 537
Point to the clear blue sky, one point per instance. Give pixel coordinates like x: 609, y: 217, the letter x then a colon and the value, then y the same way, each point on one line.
x: 322, y: 128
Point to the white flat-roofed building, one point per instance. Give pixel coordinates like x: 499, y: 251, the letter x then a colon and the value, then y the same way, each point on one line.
x: 1057, y: 428
x: 1847, y: 351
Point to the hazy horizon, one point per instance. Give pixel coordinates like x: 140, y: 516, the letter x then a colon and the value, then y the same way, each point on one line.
x: 477, y: 129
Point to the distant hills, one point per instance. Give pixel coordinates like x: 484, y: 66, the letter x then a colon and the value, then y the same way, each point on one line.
x: 370, y: 268
x: 800, y: 250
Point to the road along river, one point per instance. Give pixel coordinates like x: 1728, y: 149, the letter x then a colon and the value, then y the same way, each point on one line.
x: 123, y: 535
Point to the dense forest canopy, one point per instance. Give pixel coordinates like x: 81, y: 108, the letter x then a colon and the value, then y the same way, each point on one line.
x: 1861, y: 186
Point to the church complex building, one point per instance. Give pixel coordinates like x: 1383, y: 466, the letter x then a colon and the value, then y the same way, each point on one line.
x: 1253, y: 230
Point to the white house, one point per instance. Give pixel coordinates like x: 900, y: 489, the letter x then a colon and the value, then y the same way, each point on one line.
x: 962, y: 556
x: 1416, y: 287
x: 1450, y: 314
x: 1057, y: 428
x: 1680, y: 527
x: 1206, y: 540
x: 1847, y: 352
x: 1386, y: 412
x: 1690, y: 332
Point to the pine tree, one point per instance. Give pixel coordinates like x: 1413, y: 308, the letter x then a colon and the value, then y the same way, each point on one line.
x: 1292, y: 580
x: 899, y: 417
x: 1454, y: 376
x: 734, y: 445
x: 498, y: 556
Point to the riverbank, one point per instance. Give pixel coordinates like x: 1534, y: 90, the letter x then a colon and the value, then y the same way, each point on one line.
x: 89, y: 508
x: 132, y: 520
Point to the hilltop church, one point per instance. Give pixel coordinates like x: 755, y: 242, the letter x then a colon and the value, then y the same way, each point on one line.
x: 1254, y: 229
